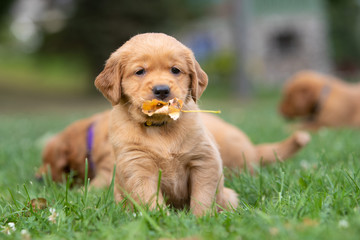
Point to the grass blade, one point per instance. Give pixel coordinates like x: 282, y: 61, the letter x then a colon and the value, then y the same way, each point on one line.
x: 86, y: 182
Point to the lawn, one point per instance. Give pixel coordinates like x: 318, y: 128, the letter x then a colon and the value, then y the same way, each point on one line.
x: 314, y: 195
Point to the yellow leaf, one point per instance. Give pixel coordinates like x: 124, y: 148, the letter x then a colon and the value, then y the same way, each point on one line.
x: 159, y: 107
x: 172, y: 108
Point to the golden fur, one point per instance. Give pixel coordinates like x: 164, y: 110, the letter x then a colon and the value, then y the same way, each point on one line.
x: 236, y: 149
x: 321, y: 100
x: 67, y: 151
x: 183, y: 150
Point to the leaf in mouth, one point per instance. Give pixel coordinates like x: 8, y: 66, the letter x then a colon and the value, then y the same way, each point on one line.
x: 171, y: 108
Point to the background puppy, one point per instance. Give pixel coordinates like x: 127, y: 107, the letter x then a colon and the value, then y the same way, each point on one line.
x: 237, y: 150
x: 321, y: 100
x: 67, y: 151
x: 150, y: 66
x: 235, y: 147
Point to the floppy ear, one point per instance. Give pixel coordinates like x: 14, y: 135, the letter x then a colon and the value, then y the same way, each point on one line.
x: 199, y: 79
x: 108, y: 81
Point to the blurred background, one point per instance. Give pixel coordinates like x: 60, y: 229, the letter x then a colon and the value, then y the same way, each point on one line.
x: 52, y: 50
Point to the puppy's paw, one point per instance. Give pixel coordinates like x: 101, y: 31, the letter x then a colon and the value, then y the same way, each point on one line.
x: 98, y: 182
x: 301, y: 138
x: 230, y: 199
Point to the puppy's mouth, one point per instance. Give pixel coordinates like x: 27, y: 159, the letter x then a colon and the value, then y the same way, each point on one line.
x: 288, y: 118
x: 156, y: 120
x: 159, y: 111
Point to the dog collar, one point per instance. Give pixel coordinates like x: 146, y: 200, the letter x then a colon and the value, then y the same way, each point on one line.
x: 89, y: 146
x: 152, y: 124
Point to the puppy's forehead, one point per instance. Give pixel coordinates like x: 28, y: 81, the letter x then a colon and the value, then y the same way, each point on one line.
x: 155, y: 40
x: 155, y: 44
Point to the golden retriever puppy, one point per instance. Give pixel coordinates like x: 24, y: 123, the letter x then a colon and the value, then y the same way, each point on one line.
x: 321, y: 100
x: 157, y: 66
x: 68, y: 150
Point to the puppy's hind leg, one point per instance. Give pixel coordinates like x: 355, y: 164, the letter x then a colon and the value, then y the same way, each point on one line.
x: 271, y: 152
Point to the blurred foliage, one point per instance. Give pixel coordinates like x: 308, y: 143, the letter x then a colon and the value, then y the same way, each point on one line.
x: 42, y: 73
x: 344, y: 24
x: 4, y: 6
x: 99, y: 27
x: 220, y: 69
x: 220, y: 66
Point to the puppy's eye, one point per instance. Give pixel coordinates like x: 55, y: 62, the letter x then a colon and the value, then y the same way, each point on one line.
x: 175, y: 70
x: 140, y: 72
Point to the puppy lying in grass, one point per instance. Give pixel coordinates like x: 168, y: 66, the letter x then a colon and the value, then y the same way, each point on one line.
x: 67, y: 151
x: 320, y: 100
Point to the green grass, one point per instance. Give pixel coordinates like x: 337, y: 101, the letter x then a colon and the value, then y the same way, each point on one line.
x: 43, y: 73
x: 314, y: 195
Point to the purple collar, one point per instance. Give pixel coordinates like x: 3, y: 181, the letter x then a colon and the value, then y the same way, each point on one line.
x: 89, y: 146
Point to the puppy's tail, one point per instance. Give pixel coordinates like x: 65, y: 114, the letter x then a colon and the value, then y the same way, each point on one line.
x: 279, y: 151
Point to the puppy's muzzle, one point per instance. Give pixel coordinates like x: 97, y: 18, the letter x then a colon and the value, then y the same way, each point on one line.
x: 161, y: 91
x: 40, y: 179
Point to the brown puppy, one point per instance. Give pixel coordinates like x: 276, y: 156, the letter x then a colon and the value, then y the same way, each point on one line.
x: 150, y: 66
x: 68, y: 150
x: 321, y: 100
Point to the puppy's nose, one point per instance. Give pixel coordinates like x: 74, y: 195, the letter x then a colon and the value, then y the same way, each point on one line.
x: 161, y: 91
x: 40, y: 179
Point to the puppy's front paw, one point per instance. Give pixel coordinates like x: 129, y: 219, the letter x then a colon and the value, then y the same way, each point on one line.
x: 230, y: 199
x: 301, y: 138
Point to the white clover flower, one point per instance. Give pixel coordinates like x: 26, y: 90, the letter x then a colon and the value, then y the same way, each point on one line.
x: 139, y: 214
x: 25, y: 234
x: 52, y: 217
x: 12, y: 226
x: 343, y: 224
x: 9, y: 228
